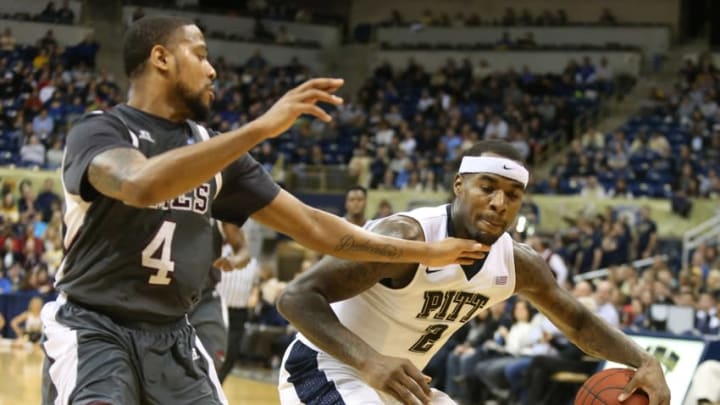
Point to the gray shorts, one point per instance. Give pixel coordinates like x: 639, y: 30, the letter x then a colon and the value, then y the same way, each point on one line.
x: 91, y: 359
x: 207, y: 319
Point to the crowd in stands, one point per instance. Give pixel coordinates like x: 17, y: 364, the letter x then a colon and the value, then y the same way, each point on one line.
x: 671, y: 149
x: 43, y: 88
x: 406, y: 129
x: 261, y: 33
x: 50, y: 14
x: 510, y: 18
x: 275, y: 10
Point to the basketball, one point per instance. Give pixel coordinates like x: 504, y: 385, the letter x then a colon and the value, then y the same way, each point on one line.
x: 603, y: 388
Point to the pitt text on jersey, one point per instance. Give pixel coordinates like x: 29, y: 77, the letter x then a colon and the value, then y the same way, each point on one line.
x: 446, y: 306
x: 197, y: 200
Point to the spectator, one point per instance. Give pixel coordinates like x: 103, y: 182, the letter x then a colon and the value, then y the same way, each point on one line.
x: 554, y: 260
x: 646, y: 234
x: 31, y: 330
x: 49, y: 13
x: 593, y: 189
x: 706, y: 315
x: 7, y: 41
x: 607, y: 17
x: 43, y: 124
x: 384, y: 209
x: 13, y: 279
x: 33, y: 152
x: 46, y: 198
x: 9, y: 212
x: 283, y: 37
x: 65, y: 15
x: 604, y: 293
x: 54, y: 155
x: 497, y: 128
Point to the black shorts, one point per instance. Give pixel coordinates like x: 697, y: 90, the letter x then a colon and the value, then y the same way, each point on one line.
x: 91, y: 359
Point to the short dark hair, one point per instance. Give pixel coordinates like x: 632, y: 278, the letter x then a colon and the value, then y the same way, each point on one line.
x: 357, y: 188
x: 143, y: 35
x: 502, y: 148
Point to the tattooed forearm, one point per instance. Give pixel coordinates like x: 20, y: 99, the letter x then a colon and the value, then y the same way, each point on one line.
x: 349, y: 244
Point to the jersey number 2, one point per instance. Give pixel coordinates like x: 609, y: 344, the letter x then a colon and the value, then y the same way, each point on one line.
x: 164, y: 264
x: 433, y: 333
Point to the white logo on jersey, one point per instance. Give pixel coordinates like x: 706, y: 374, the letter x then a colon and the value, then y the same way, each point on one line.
x: 145, y: 135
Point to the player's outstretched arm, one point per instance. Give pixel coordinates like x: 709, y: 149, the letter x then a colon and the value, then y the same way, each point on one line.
x: 330, y: 234
x: 305, y: 302
x: 127, y: 175
x: 585, y: 329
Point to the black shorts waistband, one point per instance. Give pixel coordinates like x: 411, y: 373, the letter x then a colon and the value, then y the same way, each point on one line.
x: 151, y: 326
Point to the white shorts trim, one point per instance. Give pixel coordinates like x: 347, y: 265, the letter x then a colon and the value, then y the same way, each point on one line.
x: 211, y: 371
x: 62, y: 348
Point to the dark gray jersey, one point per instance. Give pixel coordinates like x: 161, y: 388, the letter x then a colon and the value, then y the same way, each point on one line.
x: 146, y: 264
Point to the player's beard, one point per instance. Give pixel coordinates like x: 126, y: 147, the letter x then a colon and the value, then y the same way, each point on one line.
x: 193, y: 100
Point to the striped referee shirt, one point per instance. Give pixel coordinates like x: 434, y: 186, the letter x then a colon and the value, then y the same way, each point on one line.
x: 236, y: 286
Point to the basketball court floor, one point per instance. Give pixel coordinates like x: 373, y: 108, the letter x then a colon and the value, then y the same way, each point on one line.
x: 20, y: 381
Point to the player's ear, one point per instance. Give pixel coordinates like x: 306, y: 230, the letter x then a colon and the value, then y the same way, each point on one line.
x: 458, y: 184
x: 160, y: 58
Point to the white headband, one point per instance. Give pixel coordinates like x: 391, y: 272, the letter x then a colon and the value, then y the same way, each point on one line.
x: 496, y: 165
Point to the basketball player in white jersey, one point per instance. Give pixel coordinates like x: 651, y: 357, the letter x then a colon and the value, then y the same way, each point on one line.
x: 367, y: 329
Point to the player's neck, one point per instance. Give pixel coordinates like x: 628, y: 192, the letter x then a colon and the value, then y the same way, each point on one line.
x: 153, y: 100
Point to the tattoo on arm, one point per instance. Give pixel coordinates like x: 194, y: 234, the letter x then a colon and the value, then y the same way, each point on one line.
x: 109, y: 171
x: 401, y: 227
x: 349, y: 244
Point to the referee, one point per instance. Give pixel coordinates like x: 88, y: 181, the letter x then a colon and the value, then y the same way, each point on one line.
x: 235, y: 288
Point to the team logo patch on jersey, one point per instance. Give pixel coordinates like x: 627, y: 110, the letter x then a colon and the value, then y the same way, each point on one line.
x: 501, y: 280
x: 145, y: 135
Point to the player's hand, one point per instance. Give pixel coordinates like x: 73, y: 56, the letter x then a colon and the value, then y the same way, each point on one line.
x: 300, y: 100
x: 453, y: 250
x: 650, y: 378
x: 397, y: 377
x: 229, y: 263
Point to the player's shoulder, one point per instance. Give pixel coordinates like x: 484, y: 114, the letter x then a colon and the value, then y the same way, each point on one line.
x: 398, y: 226
x: 533, y: 273
x: 95, y: 121
x: 525, y: 256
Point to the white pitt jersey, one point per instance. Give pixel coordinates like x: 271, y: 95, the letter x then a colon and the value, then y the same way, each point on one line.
x: 415, y: 321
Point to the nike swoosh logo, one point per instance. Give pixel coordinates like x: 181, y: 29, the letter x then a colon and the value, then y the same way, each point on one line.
x: 430, y: 271
x: 507, y: 168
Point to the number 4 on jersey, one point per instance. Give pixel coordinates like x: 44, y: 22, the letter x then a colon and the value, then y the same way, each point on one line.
x: 164, y: 264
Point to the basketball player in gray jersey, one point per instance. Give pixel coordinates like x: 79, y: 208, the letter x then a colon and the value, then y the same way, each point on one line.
x: 365, y: 330
x: 142, y: 182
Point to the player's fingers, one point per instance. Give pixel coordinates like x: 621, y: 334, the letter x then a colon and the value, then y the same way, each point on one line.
x: 628, y: 390
x: 419, y: 378
x: 320, y: 83
x: 417, y: 388
x: 405, y: 395
x: 473, y: 255
x: 314, y: 95
x: 316, y: 112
